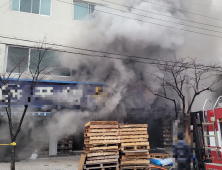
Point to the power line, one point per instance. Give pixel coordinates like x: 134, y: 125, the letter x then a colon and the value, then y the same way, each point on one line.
x: 162, y: 15
x: 157, y: 18
x: 130, y: 60
x: 156, y: 23
x: 83, y: 49
x: 164, y: 20
x: 97, y: 51
x: 207, y: 6
x: 104, y: 56
x: 182, y: 10
x: 101, y: 56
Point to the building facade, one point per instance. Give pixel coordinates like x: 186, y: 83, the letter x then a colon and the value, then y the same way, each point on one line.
x: 25, y: 25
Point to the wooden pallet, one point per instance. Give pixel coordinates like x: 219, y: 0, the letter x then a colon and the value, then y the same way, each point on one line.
x: 88, y: 130
x: 102, y: 127
x: 133, y: 133
x: 100, y: 145
x: 102, y: 165
x: 146, y: 136
x: 104, y: 168
x: 135, y: 146
x: 82, y: 161
x: 160, y: 155
x: 102, y: 138
x: 102, y: 154
x: 127, y: 157
x: 90, y: 162
x: 135, y: 162
x: 145, y: 153
x: 133, y: 129
x: 101, y: 123
x: 111, y: 133
x: 114, y: 141
x: 134, y: 126
x: 97, y: 148
x: 103, y: 157
x: 99, y: 151
x: 133, y: 140
x: 143, y: 167
x: 90, y: 152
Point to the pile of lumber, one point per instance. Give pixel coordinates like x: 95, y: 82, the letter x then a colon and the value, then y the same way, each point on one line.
x: 101, y: 139
x: 134, y: 146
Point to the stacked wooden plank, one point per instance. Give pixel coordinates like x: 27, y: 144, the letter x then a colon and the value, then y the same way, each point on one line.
x: 101, y: 139
x: 134, y: 146
x: 160, y: 155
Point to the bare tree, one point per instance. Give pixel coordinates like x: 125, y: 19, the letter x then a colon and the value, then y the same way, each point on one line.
x: 38, y: 68
x: 179, y: 78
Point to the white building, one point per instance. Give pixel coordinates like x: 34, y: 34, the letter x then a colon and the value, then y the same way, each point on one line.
x: 25, y: 22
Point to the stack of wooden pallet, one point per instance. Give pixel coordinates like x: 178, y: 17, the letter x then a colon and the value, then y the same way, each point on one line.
x: 101, y: 139
x: 134, y: 146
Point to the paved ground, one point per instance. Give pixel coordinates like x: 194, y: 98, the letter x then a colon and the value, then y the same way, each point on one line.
x: 49, y: 163
x: 58, y: 163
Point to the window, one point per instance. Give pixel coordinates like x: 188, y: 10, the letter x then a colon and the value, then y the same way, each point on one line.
x: 42, y: 7
x: 83, y: 11
x: 30, y: 59
x: 15, y: 55
x: 50, y: 59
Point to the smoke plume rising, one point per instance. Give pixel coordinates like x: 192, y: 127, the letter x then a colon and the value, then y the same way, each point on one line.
x: 113, y: 33
x: 110, y: 32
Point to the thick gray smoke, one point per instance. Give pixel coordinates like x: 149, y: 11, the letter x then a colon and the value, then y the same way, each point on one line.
x: 113, y: 33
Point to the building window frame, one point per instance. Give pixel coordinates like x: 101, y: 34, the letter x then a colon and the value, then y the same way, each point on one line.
x: 7, y: 51
x: 40, y: 1
x: 89, y: 9
x: 29, y: 58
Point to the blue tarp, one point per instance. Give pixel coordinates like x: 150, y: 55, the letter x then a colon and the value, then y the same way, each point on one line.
x: 162, y: 162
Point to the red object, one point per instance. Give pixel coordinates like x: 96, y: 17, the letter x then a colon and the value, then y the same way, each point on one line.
x: 211, y: 112
x: 213, y: 167
x: 216, y: 164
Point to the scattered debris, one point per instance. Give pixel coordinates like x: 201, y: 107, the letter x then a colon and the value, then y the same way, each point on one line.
x: 34, y: 155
